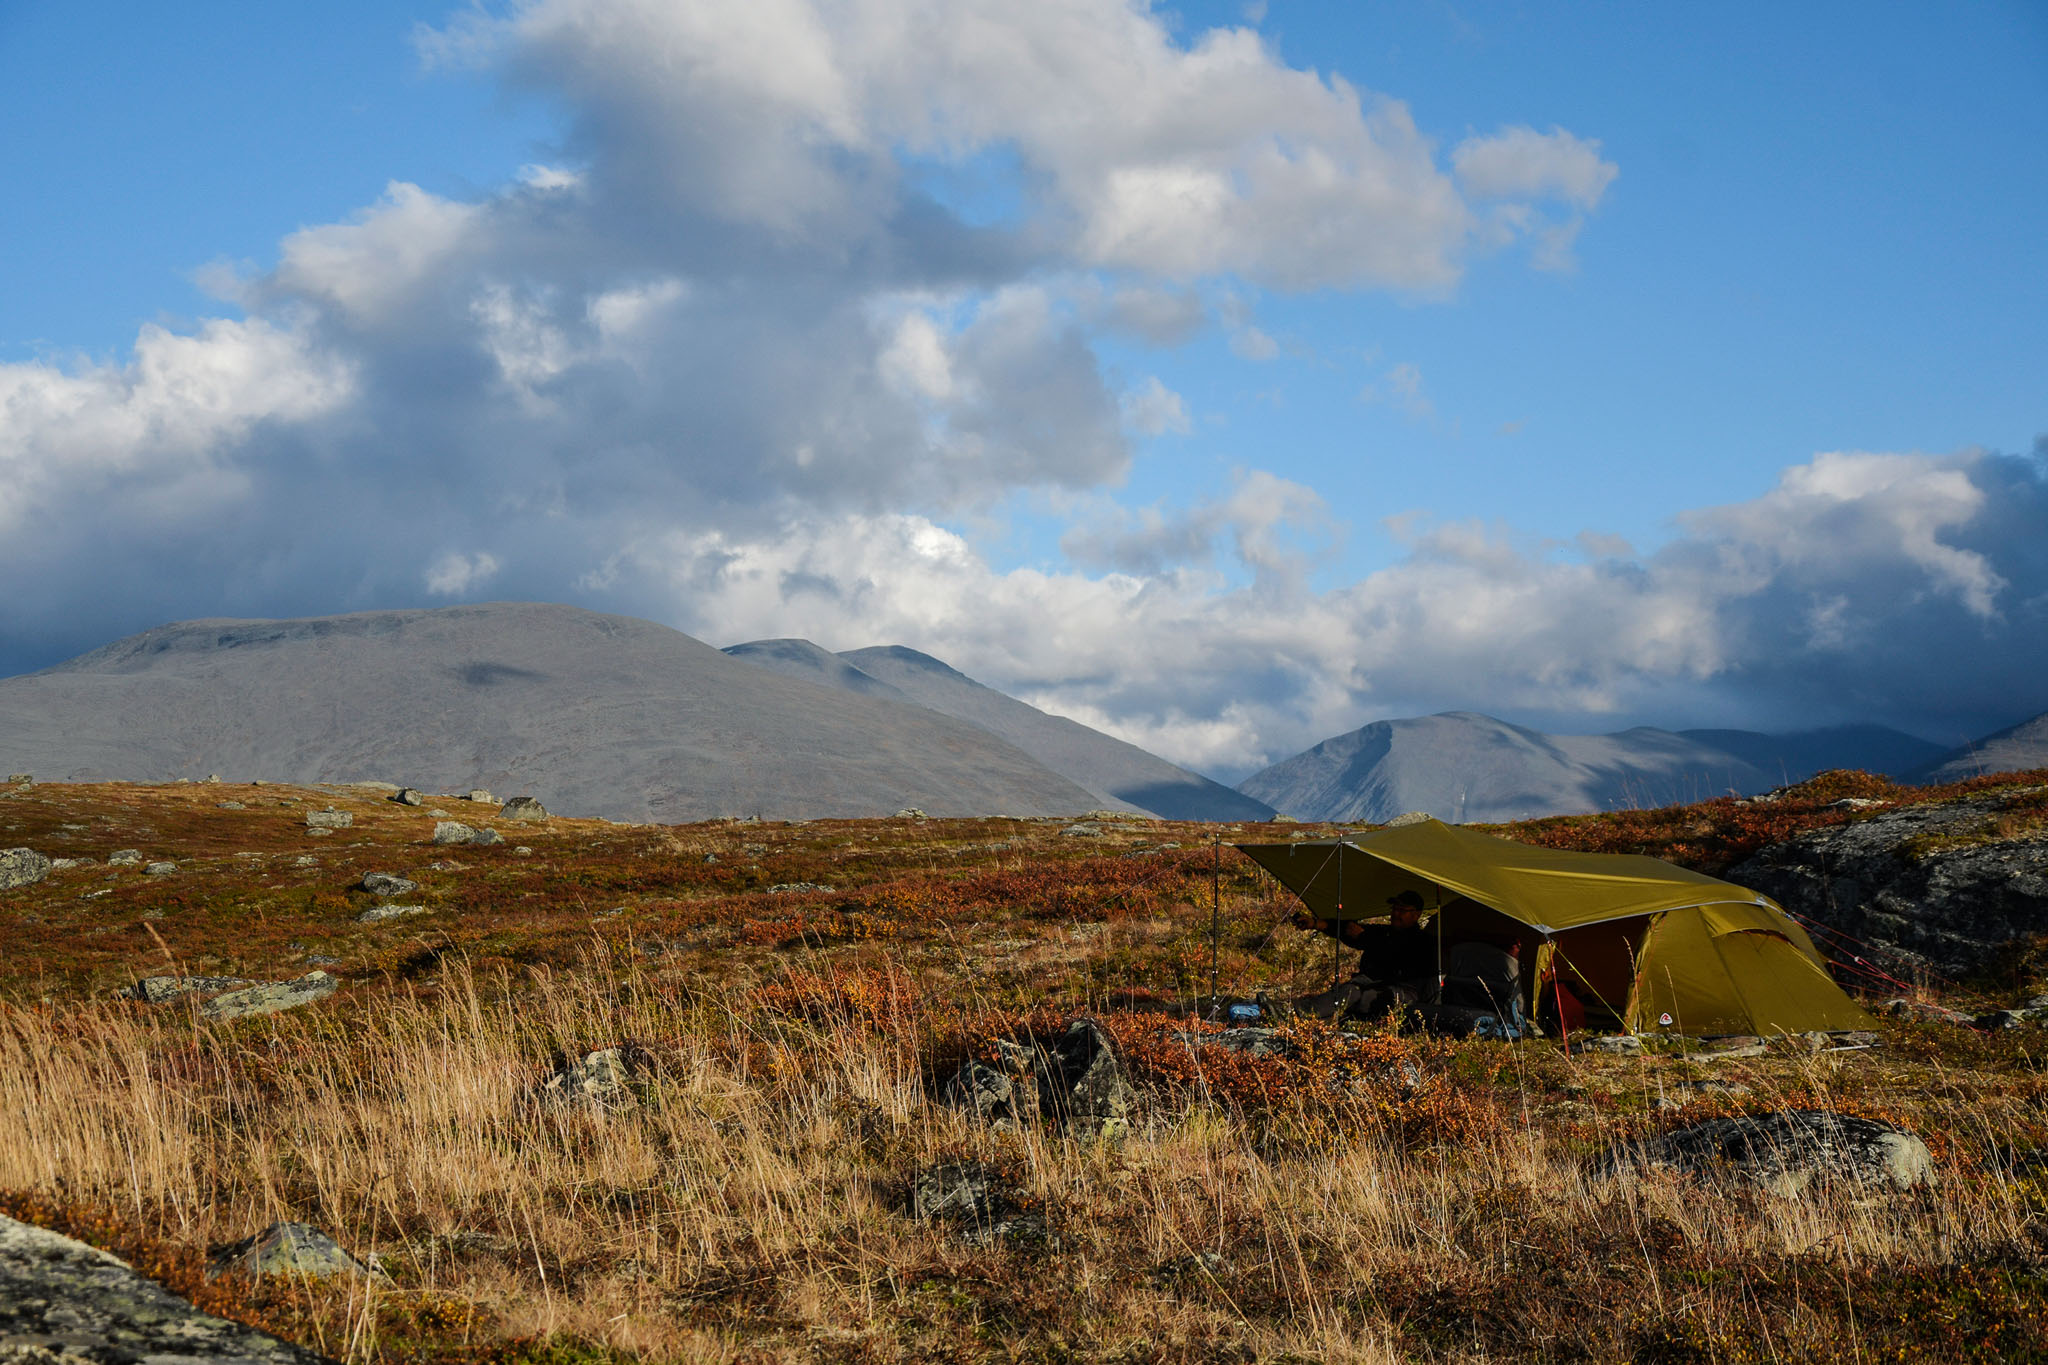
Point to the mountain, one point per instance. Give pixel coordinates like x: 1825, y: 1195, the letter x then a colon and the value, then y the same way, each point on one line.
x: 2013, y: 749
x: 1119, y: 774
x: 594, y: 714
x: 1461, y: 766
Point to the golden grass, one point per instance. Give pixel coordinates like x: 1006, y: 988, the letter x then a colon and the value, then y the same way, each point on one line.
x: 748, y: 1204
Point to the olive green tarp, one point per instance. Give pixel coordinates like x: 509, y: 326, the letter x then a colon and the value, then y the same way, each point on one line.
x: 1634, y: 937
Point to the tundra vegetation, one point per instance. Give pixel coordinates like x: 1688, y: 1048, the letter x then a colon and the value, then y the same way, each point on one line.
x: 787, y: 1001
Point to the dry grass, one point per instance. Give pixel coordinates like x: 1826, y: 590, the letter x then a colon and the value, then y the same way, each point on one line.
x: 1377, y: 1199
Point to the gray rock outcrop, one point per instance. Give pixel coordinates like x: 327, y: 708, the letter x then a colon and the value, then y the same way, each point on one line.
x: 329, y: 819
x: 155, y: 990
x: 455, y: 832
x: 271, y: 997
x: 601, y: 1078
x: 1935, y: 884
x: 984, y: 1093
x: 409, y: 796
x: 1082, y: 1083
x: 296, y: 1249
x: 377, y: 914
x: 1788, y: 1151
x: 22, y: 867
x: 388, y: 884
x: 64, y: 1301
x: 523, y: 808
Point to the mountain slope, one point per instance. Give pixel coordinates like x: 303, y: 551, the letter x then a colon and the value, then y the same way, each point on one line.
x: 813, y: 664
x: 1465, y: 766
x: 595, y: 714
x: 2013, y: 749
x: 1120, y: 774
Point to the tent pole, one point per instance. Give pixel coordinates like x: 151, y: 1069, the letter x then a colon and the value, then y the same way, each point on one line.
x: 1557, y: 992
x: 1215, y: 915
x: 1337, y: 924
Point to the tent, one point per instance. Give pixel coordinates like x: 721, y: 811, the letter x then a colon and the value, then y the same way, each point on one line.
x: 1651, y: 946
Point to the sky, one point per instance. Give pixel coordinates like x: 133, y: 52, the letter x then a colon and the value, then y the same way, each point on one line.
x: 1223, y: 376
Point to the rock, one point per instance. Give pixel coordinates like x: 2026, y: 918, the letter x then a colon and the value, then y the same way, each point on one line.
x: 911, y: 813
x: 64, y: 1301
x: 231, y: 805
x: 60, y: 864
x: 213, y: 778
x: 711, y: 857
x: 1256, y: 1042
x: 455, y: 832
x: 1084, y: 830
x: 271, y: 997
x: 953, y: 1190
x: 22, y: 867
x: 160, y: 869
x: 1617, y: 1044
x: 329, y: 819
x: 408, y: 796
x: 124, y: 857
x: 600, y: 1079
x: 481, y: 797
x: 1409, y: 817
x: 293, y: 1249
x: 522, y: 851
x: 19, y: 778
x: 1789, y: 1150
x: 979, y: 1090
x: 1856, y: 803
x: 2000, y: 1019
x: 1921, y: 1010
x: 1083, y: 1085
x: 523, y: 808
x: 305, y: 860
x: 157, y: 989
x: 387, y: 884
x: 376, y: 914
x: 1934, y: 885
x: 791, y: 888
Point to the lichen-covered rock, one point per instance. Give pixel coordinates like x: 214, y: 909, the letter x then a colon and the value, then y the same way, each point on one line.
x: 124, y: 857
x: 296, y: 1249
x: 388, y: 884
x: 601, y: 1078
x: 22, y: 867
x: 1938, y: 883
x: 271, y: 997
x: 329, y: 819
x: 163, y: 869
x: 1787, y: 1151
x: 157, y: 989
x: 1255, y: 1042
x: 64, y: 1301
x: 523, y: 808
x: 455, y: 832
x: 409, y: 796
x: 983, y: 1092
x: 481, y: 797
x: 377, y: 914
x: 1083, y: 1085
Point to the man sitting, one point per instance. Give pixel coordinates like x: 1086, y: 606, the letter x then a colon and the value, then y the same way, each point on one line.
x: 1396, y: 962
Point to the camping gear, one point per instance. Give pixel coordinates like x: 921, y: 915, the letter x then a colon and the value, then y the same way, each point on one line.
x: 1481, y: 992
x: 1646, y: 945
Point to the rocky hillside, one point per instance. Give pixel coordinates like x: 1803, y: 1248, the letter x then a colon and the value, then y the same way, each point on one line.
x: 2012, y: 749
x: 1121, y: 775
x: 1947, y: 887
x: 1465, y: 767
x: 595, y: 714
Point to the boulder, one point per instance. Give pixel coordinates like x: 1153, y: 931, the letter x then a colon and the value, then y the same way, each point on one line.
x: 409, y: 796
x: 1935, y: 885
x: 1409, y: 817
x: 376, y: 914
x: 157, y: 989
x: 910, y: 813
x: 271, y: 997
x: 523, y: 808
x: 1903, y: 1008
x: 387, y: 884
x: 124, y: 857
x: 329, y: 819
x: 161, y: 869
x: 984, y: 1093
x: 455, y: 832
x: 1787, y: 1151
x: 968, y: 1196
x: 1255, y: 1042
x: 22, y: 867
x: 64, y: 1301
x: 481, y: 797
x: 1083, y: 1085
x: 294, y: 1249
x: 600, y: 1079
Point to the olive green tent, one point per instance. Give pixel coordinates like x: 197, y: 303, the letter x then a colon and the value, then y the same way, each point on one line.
x: 1654, y: 946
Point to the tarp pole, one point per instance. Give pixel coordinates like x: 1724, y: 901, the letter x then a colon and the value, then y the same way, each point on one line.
x: 1215, y: 915
x: 1564, y: 1030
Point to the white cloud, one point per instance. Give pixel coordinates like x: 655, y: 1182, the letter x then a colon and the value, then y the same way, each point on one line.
x: 1400, y: 388
x: 1152, y: 409
x: 1249, y: 343
x: 453, y: 574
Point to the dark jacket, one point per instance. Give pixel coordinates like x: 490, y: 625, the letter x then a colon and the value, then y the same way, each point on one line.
x: 1386, y: 953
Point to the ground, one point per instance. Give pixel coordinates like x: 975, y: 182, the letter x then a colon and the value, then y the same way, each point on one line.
x: 790, y: 999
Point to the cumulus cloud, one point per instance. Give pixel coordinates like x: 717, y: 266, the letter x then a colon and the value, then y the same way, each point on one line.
x: 722, y: 361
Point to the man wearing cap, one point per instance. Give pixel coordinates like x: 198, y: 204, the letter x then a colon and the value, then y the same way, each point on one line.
x: 1396, y: 961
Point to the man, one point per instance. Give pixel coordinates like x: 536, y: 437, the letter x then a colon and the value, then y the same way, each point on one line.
x: 1396, y: 962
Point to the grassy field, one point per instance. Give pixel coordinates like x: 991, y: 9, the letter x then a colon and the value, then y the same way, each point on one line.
x: 792, y: 997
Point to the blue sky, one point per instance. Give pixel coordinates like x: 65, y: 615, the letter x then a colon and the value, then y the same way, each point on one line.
x: 1793, y: 230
